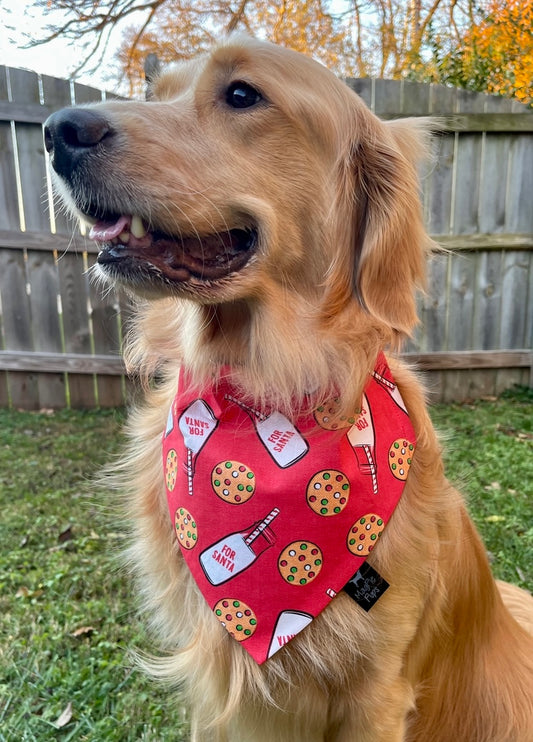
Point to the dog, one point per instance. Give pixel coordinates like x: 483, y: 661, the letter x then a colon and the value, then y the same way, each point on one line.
x: 269, y: 227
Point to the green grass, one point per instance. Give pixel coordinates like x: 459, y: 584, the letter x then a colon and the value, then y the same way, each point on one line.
x: 489, y: 456
x: 66, y: 613
x: 67, y: 616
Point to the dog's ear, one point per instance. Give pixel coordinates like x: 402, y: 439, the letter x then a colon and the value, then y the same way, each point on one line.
x: 389, y: 239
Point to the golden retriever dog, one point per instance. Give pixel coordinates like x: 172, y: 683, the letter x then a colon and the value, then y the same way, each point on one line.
x: 269, y: 227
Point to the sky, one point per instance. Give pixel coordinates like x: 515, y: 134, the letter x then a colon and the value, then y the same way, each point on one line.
x: 57, y: 59
x: 18, y: 18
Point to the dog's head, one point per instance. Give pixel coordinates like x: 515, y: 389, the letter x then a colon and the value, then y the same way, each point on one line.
x: 256, y: 184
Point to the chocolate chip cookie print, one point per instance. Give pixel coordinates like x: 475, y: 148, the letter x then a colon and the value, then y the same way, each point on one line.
x: 236, y: 617
x: 186, y: 530
x: 275, y: 514
x: 364, y: 534
x: 400, y: 457
x: 233, y: 482
x: 300, y: 562
x: 171, y: 469
x: 329, y: 417
x: 328, y: 492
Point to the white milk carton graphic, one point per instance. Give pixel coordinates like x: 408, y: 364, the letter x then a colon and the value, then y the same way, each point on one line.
x: 234, y: 553
x: 362, y: 438
x: 278, y: 435
x: 170, y: 421
x: 289, y: 624
x: 196, y: 424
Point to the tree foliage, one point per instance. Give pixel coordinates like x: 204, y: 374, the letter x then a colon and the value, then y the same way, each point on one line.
x: 478, y: 44
x: 181, y: 29
x: 496, y: 52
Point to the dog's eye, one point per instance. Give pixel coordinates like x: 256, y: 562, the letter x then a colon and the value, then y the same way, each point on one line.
x: 242, y: 95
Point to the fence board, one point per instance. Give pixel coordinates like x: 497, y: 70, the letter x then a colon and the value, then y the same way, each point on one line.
x: 69, y: 362
x: 439, y: 185
x: 529, y: 317
x: 25, y: 89
x: 86, y: 94
x: 17, y: 325
x: 469, y: 102
x: 519, y: 209
x: 74, y: 293
x: 415, y: 99
x: 441, y: 99
x: 9, y: 213
x: 387, y: 97
x: 105, y: 317
x: 363, y: 87
x: 56, y: 94
x: 19, y: 387
x: 515, y: 287
x: 44, y: 283
x: 465, y: 213
x: 9, y: 207
x: 493, y: 183
x: 488, y: 297
x: 461, y: 301
x: 431, y: 335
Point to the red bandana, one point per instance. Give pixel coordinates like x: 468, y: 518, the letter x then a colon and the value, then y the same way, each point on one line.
x: 274, y: 517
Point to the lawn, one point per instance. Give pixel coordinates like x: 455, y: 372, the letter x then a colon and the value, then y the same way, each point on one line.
x: 67, y: 613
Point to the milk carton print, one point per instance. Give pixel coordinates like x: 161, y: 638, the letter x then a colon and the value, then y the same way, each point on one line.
x: 196, y: 424
x: 236, y: 552
x: 390, y: 387
x: 289, y: 624
x: 279, y: 436
x: 362, y: 438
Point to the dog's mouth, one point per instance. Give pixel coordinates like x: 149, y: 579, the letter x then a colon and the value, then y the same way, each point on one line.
x: 130, y: 250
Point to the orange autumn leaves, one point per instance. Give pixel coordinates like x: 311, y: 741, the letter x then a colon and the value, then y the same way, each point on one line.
x: 482, y: 45
x: 500, y: 49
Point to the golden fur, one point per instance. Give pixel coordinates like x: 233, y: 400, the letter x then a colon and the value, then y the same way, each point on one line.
x: 341, y: 251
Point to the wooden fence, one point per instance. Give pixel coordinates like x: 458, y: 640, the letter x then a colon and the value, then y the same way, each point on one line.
x: 60, y: 338
x: 476, y: 330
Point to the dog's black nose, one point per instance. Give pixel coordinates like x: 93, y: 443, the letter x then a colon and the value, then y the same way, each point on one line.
x: 71, y: 134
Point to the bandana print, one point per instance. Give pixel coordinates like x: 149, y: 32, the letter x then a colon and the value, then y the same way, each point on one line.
x: 274, y: 517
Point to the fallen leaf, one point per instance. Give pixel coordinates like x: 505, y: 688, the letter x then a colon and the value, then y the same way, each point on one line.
x: 83, y: 631
x: 495, y: 518
x: 65, y: 535
x: 65, y: 717
x: 22, y: 592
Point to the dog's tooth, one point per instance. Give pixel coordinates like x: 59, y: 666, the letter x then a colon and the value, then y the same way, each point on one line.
x: 124, y: 237
x: 137, y: 227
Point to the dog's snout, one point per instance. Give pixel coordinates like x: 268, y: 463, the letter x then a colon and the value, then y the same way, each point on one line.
x: 73, y: 133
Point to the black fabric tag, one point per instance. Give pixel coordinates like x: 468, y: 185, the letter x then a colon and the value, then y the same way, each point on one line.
x: 366, y: 587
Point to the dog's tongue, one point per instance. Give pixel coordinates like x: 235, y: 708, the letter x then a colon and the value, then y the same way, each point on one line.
x: 106, y: 231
